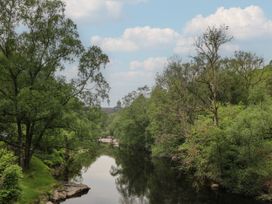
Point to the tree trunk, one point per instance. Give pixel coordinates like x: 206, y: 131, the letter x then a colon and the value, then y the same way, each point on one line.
x: 27, y: 154
x: 27, y: 148
x: 20, y: 142
x: 215, y: 116
x: 67, y: 159
x: 214, y: 104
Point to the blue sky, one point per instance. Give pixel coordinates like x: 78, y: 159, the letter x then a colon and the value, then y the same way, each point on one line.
x: 139, y: 35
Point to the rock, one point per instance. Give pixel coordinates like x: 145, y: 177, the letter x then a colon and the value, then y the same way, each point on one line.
x: 215, y: 186
x: 69, y: 191
x: 49, y: 202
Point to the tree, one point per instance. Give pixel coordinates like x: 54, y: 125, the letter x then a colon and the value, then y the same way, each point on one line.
x: 249, y: 68
x: 238, y: 154
x: 130, y: 124
x: 36, y: 41
x: 207, y: 66
x: 118, y: 106
x: 172, y: 108
x: 130, y: 97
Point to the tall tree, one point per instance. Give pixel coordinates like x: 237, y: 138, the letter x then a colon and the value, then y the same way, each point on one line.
x: 172, y: 107
x: 207, y: 66
x: 36, y: 41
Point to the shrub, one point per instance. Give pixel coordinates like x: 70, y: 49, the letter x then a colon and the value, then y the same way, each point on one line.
x: 10, y: 174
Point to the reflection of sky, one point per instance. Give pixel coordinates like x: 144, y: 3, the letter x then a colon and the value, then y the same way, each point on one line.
x: 103, y: 190
x: 103, y: 187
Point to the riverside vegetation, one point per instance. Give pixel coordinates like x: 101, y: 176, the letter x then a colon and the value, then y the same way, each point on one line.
x: 211, y: 115
x: 46, y: 120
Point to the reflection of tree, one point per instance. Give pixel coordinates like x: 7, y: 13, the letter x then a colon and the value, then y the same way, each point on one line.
x: 133, y: 171
x: 81, y: 163
x: 142, y: 180
x: 166, y: 185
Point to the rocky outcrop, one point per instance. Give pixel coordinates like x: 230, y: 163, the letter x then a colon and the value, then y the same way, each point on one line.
x: 69, y: 191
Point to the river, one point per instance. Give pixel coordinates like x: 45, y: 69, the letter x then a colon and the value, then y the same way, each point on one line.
x: 131, y: 179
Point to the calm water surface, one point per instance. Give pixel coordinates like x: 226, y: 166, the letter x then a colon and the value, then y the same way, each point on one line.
x: 102, y: 183
x: 131, y: 179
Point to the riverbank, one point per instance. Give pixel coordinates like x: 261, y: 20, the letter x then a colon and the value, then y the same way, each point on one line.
x: 37, y: 182
x: 158, y: 181
x: 69, y: 190
x: 39, y: 186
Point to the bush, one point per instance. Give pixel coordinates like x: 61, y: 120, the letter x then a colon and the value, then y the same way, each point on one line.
x: 10, y: 174
x: 237, y: 154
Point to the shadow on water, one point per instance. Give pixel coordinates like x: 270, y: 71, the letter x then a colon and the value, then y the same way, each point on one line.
x: 133, y: 177
x: 157, y: 181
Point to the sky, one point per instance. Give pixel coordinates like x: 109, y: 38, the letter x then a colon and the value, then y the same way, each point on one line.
x: 139, y: 36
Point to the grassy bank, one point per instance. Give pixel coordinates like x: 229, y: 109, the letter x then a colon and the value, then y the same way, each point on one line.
x: 37, y: 181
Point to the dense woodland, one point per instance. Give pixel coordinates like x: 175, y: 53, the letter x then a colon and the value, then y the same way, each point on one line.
x: 211, y: 115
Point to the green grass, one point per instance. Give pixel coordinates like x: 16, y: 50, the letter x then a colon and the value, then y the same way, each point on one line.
x: 37, y: 181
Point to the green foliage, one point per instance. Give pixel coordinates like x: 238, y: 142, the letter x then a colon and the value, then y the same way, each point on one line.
x: 30, y: 59
x: 10, y: 175
x: 130, y: 125
x: 37, y: 181
x: 169, y: 115
x: 213, y: 115
x: 237, y: 154
x: 63, y: 147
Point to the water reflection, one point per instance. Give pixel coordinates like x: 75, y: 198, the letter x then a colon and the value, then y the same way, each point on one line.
x: 102, y: 183
x: 132, y: 177
x: 133, y: 171
x: 156, y: 181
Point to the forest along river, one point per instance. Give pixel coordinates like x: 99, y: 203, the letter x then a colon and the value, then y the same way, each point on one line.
x: 135, y: 179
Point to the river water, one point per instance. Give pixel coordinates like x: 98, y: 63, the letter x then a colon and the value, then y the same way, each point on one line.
x: 128, y: 179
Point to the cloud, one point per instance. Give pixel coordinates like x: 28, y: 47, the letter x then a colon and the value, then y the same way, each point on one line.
x: 97, y: 9
x: 150, y: 64
x: 246, y: 23
x: 185, y: 45
x: 137, y: 38
x: 115, y: 44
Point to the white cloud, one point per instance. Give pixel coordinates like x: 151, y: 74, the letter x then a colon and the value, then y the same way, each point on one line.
x: 115, y: 44
x: 185, y: 45
x: 230, y: 48
x: 137, y: 38
x: 97, y: 9
x: 150, y: 64
x: 244, y: 23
